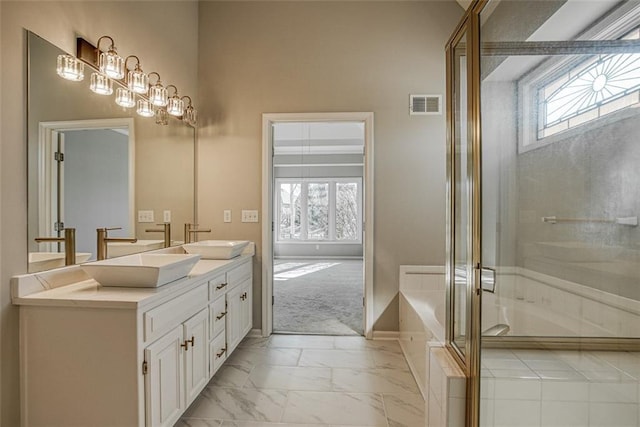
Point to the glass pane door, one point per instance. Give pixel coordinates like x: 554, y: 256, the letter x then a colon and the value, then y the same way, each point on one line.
x: 460, y: 176
x: 560, y: 207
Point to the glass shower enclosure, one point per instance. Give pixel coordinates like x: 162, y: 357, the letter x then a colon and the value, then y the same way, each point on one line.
x: 543, y: 243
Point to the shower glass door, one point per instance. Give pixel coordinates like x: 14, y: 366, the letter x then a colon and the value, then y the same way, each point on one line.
x: 460, y: 173
x: 559, y: 220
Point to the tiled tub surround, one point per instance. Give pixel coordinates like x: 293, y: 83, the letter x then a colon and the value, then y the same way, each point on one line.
x: 534, y: 304
x: 559, y: 388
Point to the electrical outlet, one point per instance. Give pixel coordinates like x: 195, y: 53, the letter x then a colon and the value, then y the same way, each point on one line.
x: 145, y: 216
x: 227, y: 215
x: 249, y: 216
x: 166, y: 216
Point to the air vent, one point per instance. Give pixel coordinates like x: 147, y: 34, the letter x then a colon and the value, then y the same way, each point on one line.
x: 425, y: 104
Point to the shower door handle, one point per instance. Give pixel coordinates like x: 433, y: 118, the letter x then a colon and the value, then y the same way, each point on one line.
x: 488, y: 279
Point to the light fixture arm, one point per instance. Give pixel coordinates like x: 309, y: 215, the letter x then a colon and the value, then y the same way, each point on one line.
x: 153, y: 73
x: 112, y: 47
x: 137, y: 66
x: 175, y: 94
x: 189, y: 98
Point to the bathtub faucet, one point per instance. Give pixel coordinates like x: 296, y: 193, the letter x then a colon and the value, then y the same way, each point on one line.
x: 497, y: 330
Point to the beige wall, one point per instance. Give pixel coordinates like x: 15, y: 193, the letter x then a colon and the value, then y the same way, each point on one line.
x: 141, y: 27
x: 276, y: 57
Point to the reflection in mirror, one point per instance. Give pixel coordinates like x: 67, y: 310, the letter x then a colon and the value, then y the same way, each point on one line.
x: 94, y: 164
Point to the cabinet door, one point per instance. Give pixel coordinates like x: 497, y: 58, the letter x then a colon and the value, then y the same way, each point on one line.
x: 234, y: 311
x: 164, y: 382
x: 196, y: 356
x: 246, y: 303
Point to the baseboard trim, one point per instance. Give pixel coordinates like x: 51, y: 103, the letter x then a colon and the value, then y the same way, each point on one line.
x: 255, y: 333
x: 386, y: 335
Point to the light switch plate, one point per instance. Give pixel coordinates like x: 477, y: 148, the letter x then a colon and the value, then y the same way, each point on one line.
x: 227, y: 215
x: 145, y: 216
x: 249, y: 216
x: 166, y: 216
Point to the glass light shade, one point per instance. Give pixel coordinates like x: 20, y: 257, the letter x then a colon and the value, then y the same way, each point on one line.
x: 158, y: 95
x: 111, y: 64
x: 145, y: 109
x: 161, y: 117
x: 70, y: 68
x: 125, y: 98
x: 176, y: 106
x: 102, y: 85
x: 190, y: 115
x: 138, y: 81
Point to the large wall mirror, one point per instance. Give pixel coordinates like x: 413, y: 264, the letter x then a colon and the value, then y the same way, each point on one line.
x: 94, y: 164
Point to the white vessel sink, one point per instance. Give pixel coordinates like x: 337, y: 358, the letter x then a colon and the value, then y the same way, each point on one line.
x: 41, y: 261
x: 216, y: 249
x: 141, y: 270
x: 115, y: 249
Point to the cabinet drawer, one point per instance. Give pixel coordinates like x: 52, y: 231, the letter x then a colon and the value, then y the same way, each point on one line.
x: 170, y: 314
x: 239, y: 274
x: 218, y: 352
x: 217, y: 286
x: 217, y: 316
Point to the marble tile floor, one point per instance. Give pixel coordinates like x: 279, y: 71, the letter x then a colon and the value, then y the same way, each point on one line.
x: 310, y: 380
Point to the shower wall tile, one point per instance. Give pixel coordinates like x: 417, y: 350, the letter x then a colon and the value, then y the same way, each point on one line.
x: 517, y: 413
x: 565, y: 414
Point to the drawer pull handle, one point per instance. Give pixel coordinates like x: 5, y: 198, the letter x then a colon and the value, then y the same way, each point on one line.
x: 220, y: 286
x: 192, y: 341
x: 185, y: 345
x: 222, y: 351
x: 243, y: 296
x: 221, y: 315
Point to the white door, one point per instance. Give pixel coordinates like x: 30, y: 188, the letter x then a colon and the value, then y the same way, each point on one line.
x: 196, y: 355
x: 164, y: 383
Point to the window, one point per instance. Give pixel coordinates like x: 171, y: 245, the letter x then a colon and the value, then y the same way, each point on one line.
x: 319, y: 210
x: 591, y: 89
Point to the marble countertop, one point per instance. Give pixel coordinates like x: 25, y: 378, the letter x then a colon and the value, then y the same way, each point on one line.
x: 72, y: 287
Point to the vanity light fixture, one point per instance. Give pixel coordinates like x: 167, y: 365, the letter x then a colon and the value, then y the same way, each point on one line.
x: 176, y: 105
x: 109, y: 62
x: 125, y: 98
x: 134, y: 87
x: 158, y: 94
x: 101, y: 84
x: 137, y: 80
x: 145, y: 109
x: 70, y: 68
x: 190, y: 115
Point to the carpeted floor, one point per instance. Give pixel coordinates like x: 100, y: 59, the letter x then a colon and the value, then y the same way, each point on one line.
x: 318, y: 297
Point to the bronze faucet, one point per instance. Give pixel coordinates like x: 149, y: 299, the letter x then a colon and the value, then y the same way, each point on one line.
x: 192, y: 229
x: 166, y: 229
x: 69, y: 240
x: 103, y: 239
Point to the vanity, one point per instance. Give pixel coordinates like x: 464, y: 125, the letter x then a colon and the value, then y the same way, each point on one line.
x: 121, y: 356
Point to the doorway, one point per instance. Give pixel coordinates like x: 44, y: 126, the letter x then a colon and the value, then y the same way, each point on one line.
x: 79, y: 159
x: 317, y: 233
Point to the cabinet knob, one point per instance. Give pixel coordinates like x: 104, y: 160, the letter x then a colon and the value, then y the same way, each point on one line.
x: 222, y: 351
x: 185, y: 345
x: 192, y: 341
x: 221, y: 285
x: 243, y: 296
x: 221, y: 315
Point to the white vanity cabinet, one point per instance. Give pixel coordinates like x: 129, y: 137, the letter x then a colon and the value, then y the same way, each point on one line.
x: 123, y: 356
